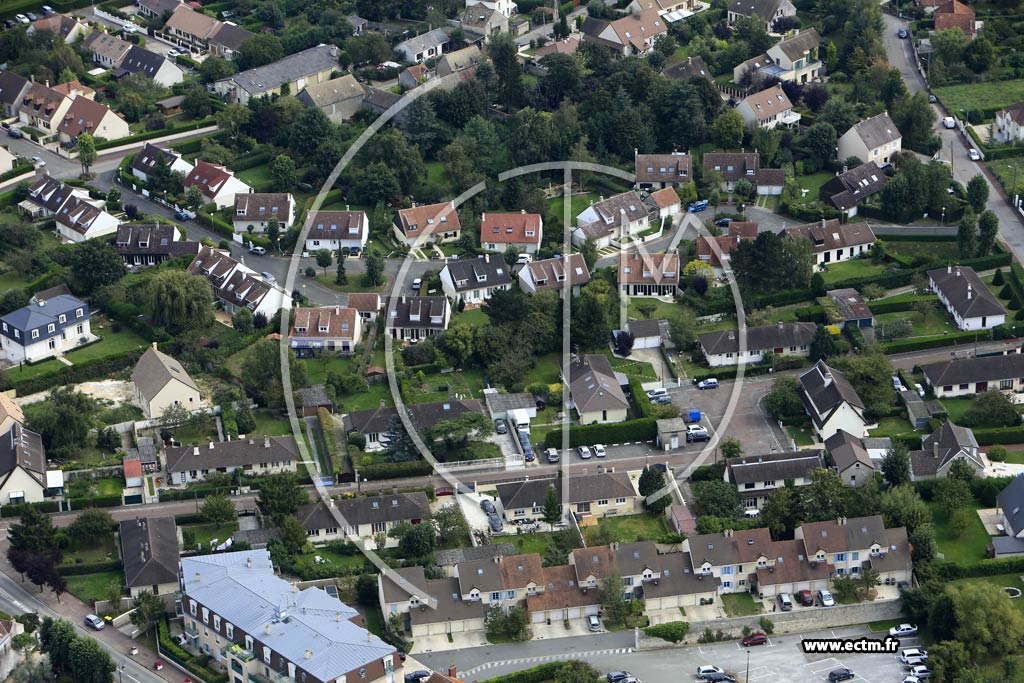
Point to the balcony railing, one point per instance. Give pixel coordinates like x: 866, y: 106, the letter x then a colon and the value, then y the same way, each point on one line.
x: 191, y: 629
x: 237, y: 651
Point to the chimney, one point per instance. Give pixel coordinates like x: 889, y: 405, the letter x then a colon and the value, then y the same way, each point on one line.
x: 197, y: 577
x: 211, y: 445
x: 337, y: 309
x: 935, y: 448
x: 266, y: 442
x: 154, y: 346
x: 970, y: 291
x: 47, y: 82
x: 267, y: 630
x: 779, y: 324
x: 453, y: 671
x: 337, y: 616
x: 248, y: 562
x: 309, y: 653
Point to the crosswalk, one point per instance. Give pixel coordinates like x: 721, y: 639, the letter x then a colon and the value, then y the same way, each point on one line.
x: 566, y: 656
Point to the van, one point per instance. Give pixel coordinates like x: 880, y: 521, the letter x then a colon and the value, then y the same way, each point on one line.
x: 593, y: 623
x: 785, y: 602
x: 949, y: 122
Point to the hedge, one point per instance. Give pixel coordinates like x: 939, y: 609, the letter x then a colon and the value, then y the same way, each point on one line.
x: 96, y: 502
x: 93, y: 568
x: 88, y: 371
x: 396, y: 470
x: 883, y: 306
x: 936, y: 342
x: 781, y: 364
x: 644, y: 429
x: 327, y: 427
x: 215, y: 223
x: 1004, y: 565
x: 989, y: 436
x: 810, y: 314
x: 640, y: 398
x: 543, y: 672
x: 186, y: 61
x: 153, y: 134
x: 16, y: 171
x: 194, y: 492
x: 672, y: 631
x: 18, y: 508
x: 252, y: 160
x: 195, y: 665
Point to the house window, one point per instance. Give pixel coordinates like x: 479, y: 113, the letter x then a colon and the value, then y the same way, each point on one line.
x: 840, y: 557
x: 1006, y: 384
x: 192, y: 608
x: 229, y: 631
x: 620, y: 501
x: 62, y: 318
x: 602, y: 502
x: 78, y: 313
x: 510, y: 595
x: 856, y: 557
x: 963, y: 387
x: 35, y: 334
x: 266, y: 655
x: 216, y: 623
x: 495, y: 596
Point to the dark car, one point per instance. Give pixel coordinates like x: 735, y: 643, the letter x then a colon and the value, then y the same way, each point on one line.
x: 755, y: 639
x: 487, y: 506
x: 805, y: 598
x: 495, y: 521
x: 616, y: 676
x: 723, y: 222
x: 843, y: 674
x: 719, y: 678
x: 15, y: 133
x: 902, y: 33
x: 416, y: 676
x: 500, y: 427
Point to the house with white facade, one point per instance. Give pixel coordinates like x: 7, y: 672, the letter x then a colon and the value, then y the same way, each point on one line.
x: 363, y: 517
x: 331, y: 328
x: 832, y: 402
x: 850, y: 545
x: 43, y: 108
x: 632, y: 35
x: 855, y: 458
x: 45, y: 329
x: 1009, y: 124
x: 559, y: 274
x: 940, y: 449
x: 768, y: 11
x: 596, y: 390
x: 648, y: 275
x: 270, y: 455
x: 758, y: 476
x: 253, y: 211
x: 611, y: 220
x: 833, y: 242
x: 336, y: 230
x: 87, y: 116
x: 79, y: 220
x: 875, y: 139
x: 412, y: 318
x: 160, y: 383
x: 420, y: 225
x: 794, y: 58
x: 475, y: 280
x: 722, y: 348
x: 967, y: 298
x: 151, y: 157
x: 429, y: 45
x: 237, y: 286
x: 24, y: 477
x: 217, y: 183
x: 522, y: 231
x: 970, y: 376
x: 505, y: 7
x: 768, y: 109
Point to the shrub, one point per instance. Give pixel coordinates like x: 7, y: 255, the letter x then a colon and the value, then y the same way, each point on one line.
x: 997, y: 278
x: 644, y: 429
x: 767, y: 625
x: 672, y: 631
x: 397, y: 470
x: 544, y: 672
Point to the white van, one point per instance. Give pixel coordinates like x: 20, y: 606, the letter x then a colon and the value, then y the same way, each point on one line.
x: 949, y: 122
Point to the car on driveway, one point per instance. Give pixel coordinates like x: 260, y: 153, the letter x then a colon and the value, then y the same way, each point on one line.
x: 903, y: 630
x: 584, y: 452
x: 599, y: 451
x: 487, y: 506
x: 826, y: 599
x: 755, y: 639
x: 174, y: 52
x: 805, y: 598
x: 974, y: 154
x: 697, y: 433
x: 837, y: 675
x: 902, y: 33
x: 932, y: 99
x: 495, y: 521
x: 500, y: 427
x: 94, y: 622
x: 258, y: 251
x: 22, y: 19
x: 552, y: 454
x: 661, y: 400
x: 706, y: 669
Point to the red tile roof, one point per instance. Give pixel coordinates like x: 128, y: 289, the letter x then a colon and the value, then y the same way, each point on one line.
x: 510, y: 228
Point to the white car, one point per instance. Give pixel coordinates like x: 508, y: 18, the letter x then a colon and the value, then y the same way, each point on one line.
x: 524, y: 259
x: 130, y: 28
x: 826, y: 599
x: 903, y: 630
x: 599, y: 451
x: 584, y: 452
x: 949, y: 122
x: 268, y: 277
x: 706, y: 669
x: 913, y: 656
x: 417, y: 283
x: 22, y: 19
x: 38, y: 161
x: 174, y: 52
x: 974, y: 154
x: 920, y: 672
x: 911, y: 679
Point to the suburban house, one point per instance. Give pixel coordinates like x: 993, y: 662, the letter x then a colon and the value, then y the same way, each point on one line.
x: 411, y: 318
x: 630, y: 36
x: 791, y: 59
x: 666, y: 202
x: 64, y: 27
x: 562, y: 598
x: 253, y: 210
x: 566, y: 46
x: 506, y: 7
x: 420, y: 225
x: 336, y: 230
x: 650, y: 334
x: 475, y: 280
x: 731, y: 166
x: 150, y: 157
x: 150, y: 244
x: 6, y: 160
x: 648, y: 275
x: 24, y: 477
x: 687, y: 70
x: 849, y: 188
x: 832, y: 402
x: 832, y: 241
x: 853, y: 461
x: 226, y: 40
x: 1010, y: 503
x: 106, y: 50
x: 969, y: 376
x: 47, y: 195
x: 217, y: 183
x: 596, y: 390
x: 366, y: 304
x: 269, y: 455
x: 658, y: 171
x: 504, y: 582
x: 967, y: 298
x: 722, y: 348
x: 87, y: 116
x: 461, y: 60
x: 601, y: 495
x: 956, y: 14
x: 331, y: 328
x: 45, y: 329
x: 154, y: 66
x: 364, y: 517
x: 768, y: 11
x: 376, y: 424
x: 12, y: 92
x: 479, y: 23
x: 160, y: 383
x: 339, y: 98
x: 414, y: 76
x: 562, y: 273
x: 149, y: 551
x: 768, y: 109
x: 189, y: 28
x: 298, y: 71
x: 156, y: 9
x: 732, y: 235
x: 875, y: 139
x: 1009, y: 125
x: 511, y: 407
x: 731, y: 557
x: 10, y: 414
x: 238, y: 611
x: 237, y: 286
x: 425, y: 46
x: 613, y: 219
x: 43, y: 108
x: 79, y: 220
x: 75, y: 89
x: 943, y: 447
x: 758, y: 476
x: 852, y: 308
x: 850, y: 545
x: 407, y: 593
x: 523, y: 231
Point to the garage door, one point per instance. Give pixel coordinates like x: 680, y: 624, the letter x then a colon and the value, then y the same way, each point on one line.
x: 591, y: 609
x: 575, y: 613
x: 538, y: 617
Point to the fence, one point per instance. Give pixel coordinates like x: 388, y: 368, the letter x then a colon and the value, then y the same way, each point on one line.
x: 462, y: 465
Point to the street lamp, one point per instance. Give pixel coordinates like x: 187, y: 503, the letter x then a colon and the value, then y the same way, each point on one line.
x: 943, y: 216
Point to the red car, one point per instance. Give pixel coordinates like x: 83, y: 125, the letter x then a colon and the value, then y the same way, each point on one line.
x: 805, y: 598
x: 755, y: 639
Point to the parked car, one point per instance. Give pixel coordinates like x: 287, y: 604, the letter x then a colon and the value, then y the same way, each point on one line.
x: 661, y: 400
x: 94, y: 622
x: 655, y: 393
x: 920, y: 672
x: 10, y: 23
x: 552, y: 454
x: 599, y: 451
x: 697, y: 433
x: 130, y: 28
x: 785, y: 602
x: 723, y: 222
x: 174, y: 52
x: 706, y: 669
x: 584, y: 452
x: 22, y: 19
x: 902, y: 33
x: 417, y: 283
x: 843, y: 674
x: 974, y: 155
x: 697, y: 207
x: 495, y: 521
x: 755, y: 639
x: 826, y: 599
x: 32, y: 16
x: 258, y: 251
x: 416, y: 676
x: 932, y: 99
x: 38, y: 161
x: 805, y: 598
x: 593, y: 623
x: 616, y: 676
x: 913, y: 656
x: 949, y: 122
x: 500, y: 427
x: 47, y: 10
x: 719, y: 678
x: 487, y: 506
x: 523, y: 259
x: 268, y: 277
x: 15, y: 133
x: 903, y: 630
x: 911, y: 679
x: 709, y: 383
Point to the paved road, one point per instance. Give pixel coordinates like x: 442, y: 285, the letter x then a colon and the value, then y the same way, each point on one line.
x: 900, y: 53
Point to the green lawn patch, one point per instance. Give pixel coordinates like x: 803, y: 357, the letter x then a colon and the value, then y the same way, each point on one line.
x: 933, y: 251
x: 972, y: 96
x: 662, y: 309
x: 474, y: 317
x: 91, y: 587
x: 439, y: 387
x: 205, y: 533
x: 529, y: 543
x: 631, y: 528
x: 364, y: 400
x: 812, y: 183
x: 355, y: 281
x: 884, y: 625
x: 740, y: 604
x: 340, y: 561
x: 110, y: 344
x: 375, y: 622
x: 857, y: 267
x: 1010, y: 173
x: 258, y: 177
x: 891, y: 426
x: 545, y: 370
x: 632, y: 368
x: 955, y: 408
x: 966, y: 549
x: 579, y: 202
x: 1000, y: 581
x: 803, y: 436
x: 268, y: 424
x: 87, y: 488
x: 937, y: 322
x: 318, y: 368
x: 103, y: 551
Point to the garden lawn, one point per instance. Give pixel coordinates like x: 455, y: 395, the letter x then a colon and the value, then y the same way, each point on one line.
x: 812, y: 183
x: 891, y: 426
x: 337, y: 560
x: 1000, y: 581
x: 528, y: 543
x: 208, y: 532
x: 268, y: 424
x: 364, y: 400
x: 663, y: 309
x: 740, y: 604
x: 944, y: 250
x: 857, y: 267
x: 966, y: 549
x: 474, y: 317
x: 803, y: 436
x: 632, y: 528
x: 103, y: 551
x: 355, y: 281
x: 937, y: 322
x: 90, y: 587
x: 955, y: 408
x: 110, y: 344
x: 257, y: 177
x: 440, y: 387
x: 972, y: 96
x: 317, y: 369
x: 579, y: 202
x: 546, y: 370
x: 87, y: 488
x: 1009, y: 171
x: 632, y: 368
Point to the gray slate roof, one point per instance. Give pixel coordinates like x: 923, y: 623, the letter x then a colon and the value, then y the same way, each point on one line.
x: 293, y: 67
x: 851, y: 305
x: 971, y: 370
x: 691, y: 67
x: 877, y: 131
x: 764, y: 9
x: 424, y: 415
x: 776, y: 467
x: 831, y: 234
x: 140, y: 60
x: 21, y: 447
x: 581, y: 489
x: 847, y: 450
x: 1011, y: 501
x: 648, y: 328
x: 847, y: 189
x: 149, y: 550
x: 759, y: 338
x: 450, y: 558
x: 237, y: 453
x: 794, y: 47
x: 824, y: 390
x: 942, y: 446
x: 965, y: 291
x: 479, y: 273
x: 393, y: 507
x: 155, y: 370
x: 422, y: 42
x: 500, y: 403
x: 593, y: 384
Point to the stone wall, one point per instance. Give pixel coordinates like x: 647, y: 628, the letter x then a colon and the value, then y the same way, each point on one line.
x: 801, y: 619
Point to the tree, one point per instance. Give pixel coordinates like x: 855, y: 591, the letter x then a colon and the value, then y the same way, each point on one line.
x: 368, y: 46
x: 778, y: 511
x: 452, y: 527
x: 823, y: 346
x: 64, y: 420
x: 148, y: 609
x: 259, y: 49
x: 283, y: 171
x: 613, y: 601
x: 417, y: 541
x: 95, y: 264
x: 783, y: 399
x: 193, y: 198
x: 56, y: 637
x: 772, y: 263
x: 977, y: 193
x: 180, y: 301
x: 824, y: 498
x: 242, y: 322
x: 821, y: 142
x: 503, y: 53
x: 839, y: 113
x: 218, y: 509
x: 24, y: 643
x: 374, y: 275
x: 624, y: 343
x: 113, y: 203
x: 949, y: 660
x: 902, y: 506
x: 873, y: 291
x: 576, y: 671
x: 324, y: 258
x: 727, y: 130
x: 340, y: 276
x: 280, y: 496
x: 923, y: 307
x: 589, y: 252
x: 896, y: 465
x: 718, y: 498
x: 988, y: 230
x: 91, y: 525
x: 274, y: 231
x: 292, y: 535
x: 990, y: 409
x: 213, y: 69
x: 980, y: 54
x: 652, y: 480
x: 552, y: 510
x: 646, y: 308
x: 233, y: 117
x: 949, y: 44
x: 86, y: 151
x: 987, y: 623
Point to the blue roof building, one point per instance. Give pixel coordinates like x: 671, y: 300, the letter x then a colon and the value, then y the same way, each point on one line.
x: 45, y: 329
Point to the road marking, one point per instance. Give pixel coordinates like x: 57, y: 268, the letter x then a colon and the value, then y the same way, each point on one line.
x: 545, y: 658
